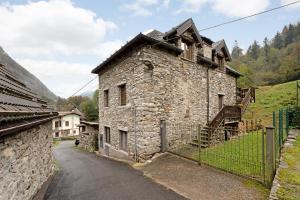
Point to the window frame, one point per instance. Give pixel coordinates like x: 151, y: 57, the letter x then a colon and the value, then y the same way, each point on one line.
x: 107, y: 134
x: 106, y: 98
x: 123, y: 140
x: 122, y: 94
x: 67, y: 123
x: 188, y: 50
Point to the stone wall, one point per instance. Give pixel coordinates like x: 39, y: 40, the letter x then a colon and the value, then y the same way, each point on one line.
x: 115, y: 116
x: 88, y: 138
x: 26, y: 162
x: 159, y: 86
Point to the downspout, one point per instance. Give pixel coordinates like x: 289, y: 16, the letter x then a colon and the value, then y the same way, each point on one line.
x: 207, y: 88
x: 135, y: 137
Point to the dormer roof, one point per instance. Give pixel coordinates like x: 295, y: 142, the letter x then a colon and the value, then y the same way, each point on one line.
x: 221, y: 46
x: 183, y: 27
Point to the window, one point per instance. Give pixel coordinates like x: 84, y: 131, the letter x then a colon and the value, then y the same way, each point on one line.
x: 106, y: 98
x: 66, y: 123
x: 56, y: 134
x: 101, y: 141
x: 221, y: 62
x: 83, y: 129
x: 107, y: 134
x: 220, y: 101
x: 123, y: 94
x: 123, y: 140
x: 188, y: 50
x: 74, y: 131
x: 57, y: 124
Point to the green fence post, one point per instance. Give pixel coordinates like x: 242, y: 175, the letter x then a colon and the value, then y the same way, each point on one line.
x: 280, y: 128
x: 287, y: 122
x: 270, y: 154
x: 199, y: 144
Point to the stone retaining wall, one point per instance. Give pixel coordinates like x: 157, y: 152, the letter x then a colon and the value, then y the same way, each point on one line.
x: 276, y: 182
x: 26, y: 162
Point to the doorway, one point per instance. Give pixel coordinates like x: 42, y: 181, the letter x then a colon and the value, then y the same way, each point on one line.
x: 220, y: 101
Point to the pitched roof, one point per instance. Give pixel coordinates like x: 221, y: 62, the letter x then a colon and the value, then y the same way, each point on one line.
x: 155, y: 34
x: 19, y: 105
x: 161, y: 40
x: 181, y: 28
x: 233, y: 71
x: 137, y: 40
x: 221, y: 45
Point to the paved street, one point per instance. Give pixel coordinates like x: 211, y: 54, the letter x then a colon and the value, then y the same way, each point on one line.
x: 85, y: 176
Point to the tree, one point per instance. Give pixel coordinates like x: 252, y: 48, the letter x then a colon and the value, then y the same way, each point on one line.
x: 289, y: 36
x: 253, y: 50
x: 277, y: 41
x: 89, y: 110
x: 236, y: 51
x: 90, y: 107
x: 267, y: 49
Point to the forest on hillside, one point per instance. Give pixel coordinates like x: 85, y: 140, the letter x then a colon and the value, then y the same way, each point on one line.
x: 273, y: 61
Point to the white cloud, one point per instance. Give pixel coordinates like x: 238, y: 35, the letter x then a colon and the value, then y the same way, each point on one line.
x: 62, y: 78
x: 143, y: 7
x: 284, y: 2
x: 237, y: 8
x: 231, y: 8
x: 191, y: 6
x: 52, y: 27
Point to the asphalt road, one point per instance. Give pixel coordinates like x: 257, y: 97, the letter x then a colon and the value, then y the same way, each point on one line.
x: 84, y: 176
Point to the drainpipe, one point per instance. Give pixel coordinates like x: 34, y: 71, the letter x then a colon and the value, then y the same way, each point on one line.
x: 207, y: 87
x: 135, y: 137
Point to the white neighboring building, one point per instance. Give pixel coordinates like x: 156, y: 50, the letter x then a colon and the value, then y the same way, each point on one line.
x: 66, y: 124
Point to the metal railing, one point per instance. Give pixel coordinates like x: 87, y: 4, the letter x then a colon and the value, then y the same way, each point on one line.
x: 239, y: 150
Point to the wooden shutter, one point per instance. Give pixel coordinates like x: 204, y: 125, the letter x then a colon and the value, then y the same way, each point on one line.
x: 123, y: 95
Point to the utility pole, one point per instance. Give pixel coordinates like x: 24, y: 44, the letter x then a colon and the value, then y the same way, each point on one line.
x: 298, y: 87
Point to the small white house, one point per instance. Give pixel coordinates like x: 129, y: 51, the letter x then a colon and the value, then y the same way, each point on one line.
x: 66, y: 124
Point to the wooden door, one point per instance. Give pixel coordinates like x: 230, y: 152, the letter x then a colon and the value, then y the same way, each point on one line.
x: 221, y: 101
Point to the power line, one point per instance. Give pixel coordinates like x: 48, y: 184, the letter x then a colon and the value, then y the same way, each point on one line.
x: 211, y: 27
x: 83, y: 86
x: 249, y: 16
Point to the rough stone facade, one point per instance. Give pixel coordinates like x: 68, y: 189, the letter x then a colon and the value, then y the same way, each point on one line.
x: 88, y: 138
x: 162, y: 83
x: 172, y: 88
x: 26, y: 162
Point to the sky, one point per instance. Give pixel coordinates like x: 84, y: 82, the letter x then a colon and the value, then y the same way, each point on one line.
x: 61, y: 41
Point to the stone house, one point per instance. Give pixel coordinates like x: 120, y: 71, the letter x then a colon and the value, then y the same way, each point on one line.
x: 88, y: 136
x: 66, y: 124
x: 26, y: 160
x: 177, y: 76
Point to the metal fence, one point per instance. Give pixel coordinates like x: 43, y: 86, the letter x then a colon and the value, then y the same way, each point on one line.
x: 240, y: 150
x: 281, y: 124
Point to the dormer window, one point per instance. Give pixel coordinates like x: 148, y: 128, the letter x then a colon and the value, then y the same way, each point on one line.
x: 221, y: 62
x: 188, y: 50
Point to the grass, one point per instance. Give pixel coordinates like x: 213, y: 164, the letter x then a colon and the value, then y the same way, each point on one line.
x: 264, y: 192
x: 68, y: 138
x: 242, y: 155
x: 55, y: 142
x: 270, y: 99
x: 289, y: 178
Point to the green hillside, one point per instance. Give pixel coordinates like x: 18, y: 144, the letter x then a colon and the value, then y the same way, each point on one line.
x: 269, y: 99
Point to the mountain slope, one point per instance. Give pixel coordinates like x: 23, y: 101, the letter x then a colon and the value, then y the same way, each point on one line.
x: 270, y: 99
x: 29, y: 79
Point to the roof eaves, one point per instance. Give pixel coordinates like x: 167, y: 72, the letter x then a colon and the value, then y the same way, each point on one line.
x: 233, y: 71
x: 140, y: 36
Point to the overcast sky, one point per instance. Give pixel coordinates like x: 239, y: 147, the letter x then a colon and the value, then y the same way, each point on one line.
x: 61, y: 41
